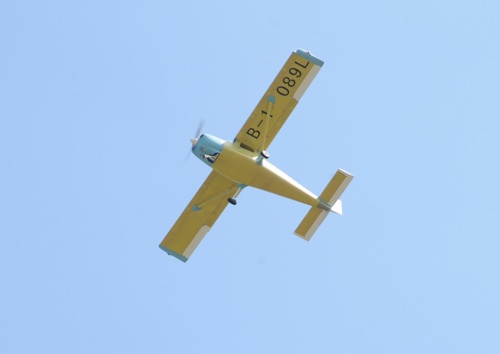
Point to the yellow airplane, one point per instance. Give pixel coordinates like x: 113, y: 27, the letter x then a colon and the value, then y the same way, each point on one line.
x: 244, y: 163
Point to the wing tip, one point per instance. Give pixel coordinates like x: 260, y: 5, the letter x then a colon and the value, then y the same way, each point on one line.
x: 174, y: 254
x: 308, y: 55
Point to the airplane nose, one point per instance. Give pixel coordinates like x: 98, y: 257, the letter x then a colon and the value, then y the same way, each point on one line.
x: 194, y: 141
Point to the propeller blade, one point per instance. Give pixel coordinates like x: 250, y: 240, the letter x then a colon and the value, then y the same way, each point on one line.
x: 198, y: 131
x: 194, y: 140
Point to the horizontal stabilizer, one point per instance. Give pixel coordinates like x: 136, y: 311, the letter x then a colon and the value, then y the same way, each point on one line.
x: 310, y: 223
x: 336, y: 187
x: 330, y: 195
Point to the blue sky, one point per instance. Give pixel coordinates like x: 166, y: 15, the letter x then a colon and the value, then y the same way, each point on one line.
x: 98, y: 100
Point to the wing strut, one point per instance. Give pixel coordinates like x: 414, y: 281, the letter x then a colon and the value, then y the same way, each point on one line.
x: 235, y: 191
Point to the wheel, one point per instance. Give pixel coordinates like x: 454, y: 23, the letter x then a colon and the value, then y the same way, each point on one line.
x: 264, y: 154
x: 232, y: 201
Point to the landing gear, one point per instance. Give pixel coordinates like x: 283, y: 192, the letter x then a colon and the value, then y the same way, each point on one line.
x: 232, y: 201
x: 264, y: 154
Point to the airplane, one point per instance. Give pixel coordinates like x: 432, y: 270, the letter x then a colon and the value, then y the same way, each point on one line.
x: 244, y: 163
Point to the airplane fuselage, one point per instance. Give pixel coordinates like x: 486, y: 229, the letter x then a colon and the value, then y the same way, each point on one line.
x: 248, y: 169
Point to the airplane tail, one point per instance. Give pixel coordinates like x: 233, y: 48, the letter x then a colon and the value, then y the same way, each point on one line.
x: 329, y: 201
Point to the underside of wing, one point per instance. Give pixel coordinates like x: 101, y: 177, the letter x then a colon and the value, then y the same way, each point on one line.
x: 279, y: 101
x: 199, y: 216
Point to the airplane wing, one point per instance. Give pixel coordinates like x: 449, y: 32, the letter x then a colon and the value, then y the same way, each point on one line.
x: 279, y: 101
x: 199, y: 216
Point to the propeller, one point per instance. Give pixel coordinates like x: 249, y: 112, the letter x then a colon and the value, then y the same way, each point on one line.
x: 194, y: 141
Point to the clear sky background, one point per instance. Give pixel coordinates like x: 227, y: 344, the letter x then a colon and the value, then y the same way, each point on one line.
x: 98, y: 100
